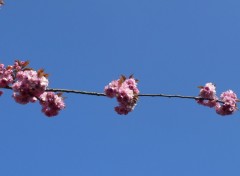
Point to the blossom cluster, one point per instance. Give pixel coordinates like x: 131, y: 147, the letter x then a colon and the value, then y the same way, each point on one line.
x: 6, y: 76
x: 29, y: 85
x: 226, y: 105
x: 126, y: 92
x: 51, y: 103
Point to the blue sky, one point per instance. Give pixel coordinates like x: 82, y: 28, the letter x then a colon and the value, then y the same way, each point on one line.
x: 171, y: 46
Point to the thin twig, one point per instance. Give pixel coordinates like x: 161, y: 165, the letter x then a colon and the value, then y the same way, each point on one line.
x: 140, y: 95
x: 75, y: 91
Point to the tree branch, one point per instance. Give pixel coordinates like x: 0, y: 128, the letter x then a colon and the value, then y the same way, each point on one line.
x: 140, y: 95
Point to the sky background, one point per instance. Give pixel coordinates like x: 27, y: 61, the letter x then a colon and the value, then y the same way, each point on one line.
x: 171, y: 46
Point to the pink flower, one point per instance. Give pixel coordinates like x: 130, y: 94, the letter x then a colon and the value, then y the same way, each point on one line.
x: 6, y: 76
x: 20, y: 65
x: 230, y: 103
x: 51, y: 103
x: 228, y: 95
x: 132, y: 84
x: 123, y: 110
x: 23, y: 98
x: 126, y: 92
x: 209, y: 92
x: 124, y: 95
x: 112, y: 88
x: 29, y: 86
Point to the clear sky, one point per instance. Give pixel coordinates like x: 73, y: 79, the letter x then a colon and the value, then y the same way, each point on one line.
x: 171, y: 46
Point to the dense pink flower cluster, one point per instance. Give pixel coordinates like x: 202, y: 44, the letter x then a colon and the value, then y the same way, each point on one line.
x: 51, y: 103
x: 226, y: 105
x: 6, y: 76
x: 208, y: 92
x: 230, y: 103
x: 126, y: 92
x: 29, y: 85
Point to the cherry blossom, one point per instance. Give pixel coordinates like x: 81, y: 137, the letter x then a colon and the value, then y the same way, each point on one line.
x: 6, y: 76
x: 29, y: 86
x: 230, y: 103
x: 208, y: 92
x: 112, y: 88
x: 19, y: 65
x: 126, y: 92
x: 51, y: 103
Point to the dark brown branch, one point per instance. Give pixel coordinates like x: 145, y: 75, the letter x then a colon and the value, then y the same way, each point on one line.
x: 75, y: 91
x: 140, y: 95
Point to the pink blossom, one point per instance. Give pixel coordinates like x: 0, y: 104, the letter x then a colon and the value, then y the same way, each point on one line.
x: 225, y: 96
x: 126, y: 106
x: 6, y: 76
x: 123, y: 110
x: 209, y: 92
x: 112, y: 88
x: 230, y: 103
x: 126, y: 92
x: 132, y: 84
x: 29, y: 86
x: 24, y: 98
x: 19, y: 65
x: 51, y: 103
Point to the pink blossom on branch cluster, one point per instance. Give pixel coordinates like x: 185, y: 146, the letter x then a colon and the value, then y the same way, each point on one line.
x: 229, y: 99
x: 29, y: 85
x: 126, y: 92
